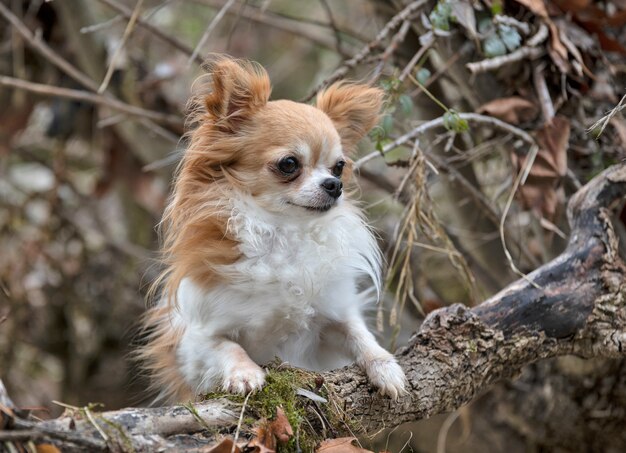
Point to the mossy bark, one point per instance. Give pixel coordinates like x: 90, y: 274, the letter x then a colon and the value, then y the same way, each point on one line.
x: 572, y: 305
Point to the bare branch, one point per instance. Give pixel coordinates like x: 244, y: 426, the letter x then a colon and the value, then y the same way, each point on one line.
x: 172, y: 41
x: 391, y: 48
x: 541, y: 88
x: 127, y: 31
x: 258, y: 15
x: 439, y: 122
x: 333, y: 25
x: 216, y: 20
x: 46, y: 51
x: 393, y: 23
x: 428, y: 40
x: 92, y: 98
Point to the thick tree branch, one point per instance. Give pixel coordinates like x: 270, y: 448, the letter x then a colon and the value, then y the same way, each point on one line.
x: 579, y: 308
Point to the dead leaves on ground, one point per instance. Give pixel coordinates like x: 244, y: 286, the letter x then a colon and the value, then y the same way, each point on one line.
x: 513, y: 110
x: 542, y: 190
x: 270, y: 434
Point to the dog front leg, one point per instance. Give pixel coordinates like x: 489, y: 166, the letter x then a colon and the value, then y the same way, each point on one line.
x: 380, y: 366
x: 211, y: 363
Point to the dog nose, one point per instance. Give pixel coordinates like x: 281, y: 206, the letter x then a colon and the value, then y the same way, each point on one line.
x: 333, y: 187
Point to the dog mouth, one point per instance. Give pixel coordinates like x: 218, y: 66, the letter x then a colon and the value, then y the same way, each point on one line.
x: 322, y: 208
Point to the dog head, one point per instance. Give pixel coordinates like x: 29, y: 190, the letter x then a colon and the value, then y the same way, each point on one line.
x: 292, y: 158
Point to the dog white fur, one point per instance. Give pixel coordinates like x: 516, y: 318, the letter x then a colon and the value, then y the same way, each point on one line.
x: 264, y: 253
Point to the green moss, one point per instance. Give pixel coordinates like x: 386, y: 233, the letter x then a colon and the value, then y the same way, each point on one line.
x: 280, y: 391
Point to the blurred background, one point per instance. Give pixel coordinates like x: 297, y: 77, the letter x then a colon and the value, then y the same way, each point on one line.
x: 92, y: 104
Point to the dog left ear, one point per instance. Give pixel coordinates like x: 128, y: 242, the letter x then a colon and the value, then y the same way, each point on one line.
x: 353, y: 108
x: 239, y: 89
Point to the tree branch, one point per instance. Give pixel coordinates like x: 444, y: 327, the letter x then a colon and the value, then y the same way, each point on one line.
x: 92, y: 98
x: 579, y: 308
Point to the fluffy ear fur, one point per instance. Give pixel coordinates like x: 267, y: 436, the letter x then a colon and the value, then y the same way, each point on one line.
x: 353, y: 108
x: 238, y: 89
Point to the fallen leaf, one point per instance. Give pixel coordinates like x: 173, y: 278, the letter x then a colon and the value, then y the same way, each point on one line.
x: 264, y: 442
x: 311, y: 395
x: 542, y: 191
x: 595, y: 20
x: 513, y: 110
x: 225, y: 446
x: 536, y: 6
x: 572, y: 6
x: 280, y: 427
x: 463, y: 12
x: 557, y: 50
x: 572, y: 49
x: 270, y: 433
x: 47, y: 448
x: 340, y: 445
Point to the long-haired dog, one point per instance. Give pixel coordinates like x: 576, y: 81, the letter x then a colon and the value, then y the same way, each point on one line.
x: 263, y: 253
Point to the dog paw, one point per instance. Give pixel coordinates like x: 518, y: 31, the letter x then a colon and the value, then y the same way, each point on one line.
x: 243, y: 379
x: 386, y: 374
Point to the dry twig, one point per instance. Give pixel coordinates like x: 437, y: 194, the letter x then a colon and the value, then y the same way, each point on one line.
x: 207, y: 32
x: 174, y: 42
x: 541, y: 88
x: 288, y: 25
x: 439, y: 122
x: 127, y: 31
x: 598, y: 127
x: 393, y: 23
x: 92, y: 98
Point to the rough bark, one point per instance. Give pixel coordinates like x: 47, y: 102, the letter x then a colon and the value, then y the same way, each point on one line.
x: 572, y: 305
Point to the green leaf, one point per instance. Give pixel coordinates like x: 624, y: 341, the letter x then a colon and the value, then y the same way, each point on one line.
x: 406, y: 104
x: 440, y: 16
x: 387, y: 124
x: 510, y: 37
x: 485, y: 24
x: 493, y: 46
x: 453, y: 122
x: 422, y: 75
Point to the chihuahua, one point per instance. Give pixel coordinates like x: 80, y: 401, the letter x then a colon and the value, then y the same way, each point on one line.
x: 263, y: 252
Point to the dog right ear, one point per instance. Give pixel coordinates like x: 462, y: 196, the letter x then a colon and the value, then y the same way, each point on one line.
x: 239, y: 88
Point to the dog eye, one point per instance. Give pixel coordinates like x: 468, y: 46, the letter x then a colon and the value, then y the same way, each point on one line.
x: 338, y: 168
x: 288, y: 165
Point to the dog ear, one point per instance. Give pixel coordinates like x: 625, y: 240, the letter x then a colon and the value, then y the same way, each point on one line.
x: 239, y: 88
x: 353, y: 108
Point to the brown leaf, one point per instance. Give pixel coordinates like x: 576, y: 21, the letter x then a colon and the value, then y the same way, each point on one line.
x: 513, y: 109
x: 572, y: 6
x: 47, y: 448
x: 536, y: 6
x: 595, y: 20
x: 554, y: 138
x: 268, y: 434
x: 225, y: 446
x: 541, y: 190
x: 265, y: 441
x: 280, y: 427
x: 557, y: 50
x: 340, y: 445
